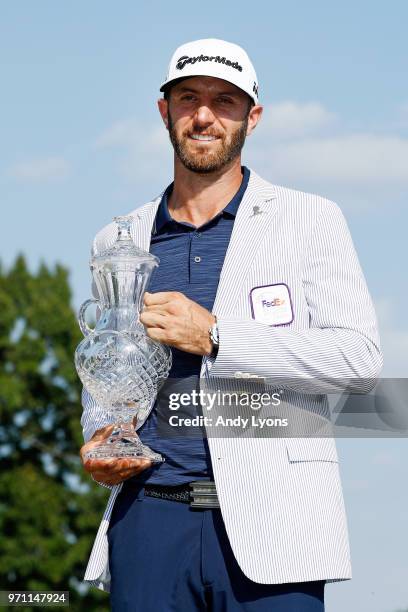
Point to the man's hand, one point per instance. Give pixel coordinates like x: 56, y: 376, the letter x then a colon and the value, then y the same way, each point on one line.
x: 110, y: 471
x: 172, y: 318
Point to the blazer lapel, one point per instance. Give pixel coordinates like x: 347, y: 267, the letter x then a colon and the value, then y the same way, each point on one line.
x: 141, y: 230
x: 254, y: 217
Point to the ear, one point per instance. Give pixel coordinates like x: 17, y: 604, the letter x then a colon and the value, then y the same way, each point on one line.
x: 254, y: 116
x: 163, y: 109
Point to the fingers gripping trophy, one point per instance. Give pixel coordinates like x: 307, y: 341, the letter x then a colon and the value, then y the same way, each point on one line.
x: 119, y: 365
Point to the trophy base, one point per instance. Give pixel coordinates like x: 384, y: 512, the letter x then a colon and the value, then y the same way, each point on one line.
x: 115, y: 448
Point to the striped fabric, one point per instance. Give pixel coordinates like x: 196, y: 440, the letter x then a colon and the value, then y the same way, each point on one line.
x: 281, y: 498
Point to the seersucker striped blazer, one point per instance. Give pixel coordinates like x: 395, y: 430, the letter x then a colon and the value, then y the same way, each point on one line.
x: 281, y: 498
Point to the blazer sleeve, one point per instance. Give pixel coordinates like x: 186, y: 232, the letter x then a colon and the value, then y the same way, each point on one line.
x: 342, y: 341
x: 93, y: 418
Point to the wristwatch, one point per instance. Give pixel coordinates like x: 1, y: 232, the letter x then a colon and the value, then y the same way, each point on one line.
x: 215, y: 338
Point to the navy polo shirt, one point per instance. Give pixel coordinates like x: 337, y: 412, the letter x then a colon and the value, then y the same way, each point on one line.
x: 191, y: 259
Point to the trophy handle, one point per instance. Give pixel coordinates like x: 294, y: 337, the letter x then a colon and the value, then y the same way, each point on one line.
x: 85, y: 329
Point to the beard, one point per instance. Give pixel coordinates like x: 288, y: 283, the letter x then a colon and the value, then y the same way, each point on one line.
x: 205, y: 162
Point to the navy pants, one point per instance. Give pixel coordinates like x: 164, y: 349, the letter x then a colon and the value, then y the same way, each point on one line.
x: 166, y: 557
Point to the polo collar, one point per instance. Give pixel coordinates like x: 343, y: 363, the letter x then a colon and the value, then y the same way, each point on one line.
x: 163, y: 216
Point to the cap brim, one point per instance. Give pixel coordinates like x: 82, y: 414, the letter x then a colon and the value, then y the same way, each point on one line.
x: 168, y: 84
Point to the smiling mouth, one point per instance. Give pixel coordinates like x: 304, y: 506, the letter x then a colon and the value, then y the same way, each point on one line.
x: 200, y: 138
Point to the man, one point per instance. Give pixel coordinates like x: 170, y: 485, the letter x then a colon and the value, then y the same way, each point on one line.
x: 256, y: 282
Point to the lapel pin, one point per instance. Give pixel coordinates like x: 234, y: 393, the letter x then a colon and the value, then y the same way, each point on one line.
x: 256, y: 211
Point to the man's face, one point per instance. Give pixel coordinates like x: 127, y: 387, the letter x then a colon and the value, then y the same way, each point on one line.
x: 208, y: 121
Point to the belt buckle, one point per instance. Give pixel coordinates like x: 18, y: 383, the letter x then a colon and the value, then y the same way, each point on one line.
x: 203, y: 494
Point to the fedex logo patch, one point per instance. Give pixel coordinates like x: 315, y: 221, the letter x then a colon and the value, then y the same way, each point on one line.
x: 271, y: 304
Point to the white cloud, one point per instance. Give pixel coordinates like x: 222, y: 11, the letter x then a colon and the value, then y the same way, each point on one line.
x: 132, y: 135
x: 40, y: 170
x: 357, y: 158
x: 147, y: 152
x: 121, y: 134
x: 291, y: 120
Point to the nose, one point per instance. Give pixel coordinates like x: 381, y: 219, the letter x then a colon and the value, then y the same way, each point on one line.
x: 203, y: 116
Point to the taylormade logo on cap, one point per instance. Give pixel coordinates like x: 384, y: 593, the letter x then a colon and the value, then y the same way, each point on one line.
x: 182, y: 61
x: 216, y: 58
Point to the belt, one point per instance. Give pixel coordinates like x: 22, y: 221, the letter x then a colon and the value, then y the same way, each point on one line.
x: 199, y: 493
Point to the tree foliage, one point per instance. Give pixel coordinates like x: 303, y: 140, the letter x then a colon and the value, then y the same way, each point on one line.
x: 50, y: 509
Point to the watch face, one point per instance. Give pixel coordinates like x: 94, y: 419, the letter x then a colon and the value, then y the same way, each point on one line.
x: 214, y: 334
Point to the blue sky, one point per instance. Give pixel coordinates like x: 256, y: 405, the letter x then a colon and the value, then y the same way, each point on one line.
x: 81, y: 141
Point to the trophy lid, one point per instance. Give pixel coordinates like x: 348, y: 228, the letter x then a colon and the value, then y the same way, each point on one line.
x: 124, y: 248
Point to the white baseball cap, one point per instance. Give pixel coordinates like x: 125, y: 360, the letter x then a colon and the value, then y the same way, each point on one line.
x: 216, y: 58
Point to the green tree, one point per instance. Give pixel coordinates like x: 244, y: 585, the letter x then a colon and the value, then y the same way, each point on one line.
x: 49, y: 507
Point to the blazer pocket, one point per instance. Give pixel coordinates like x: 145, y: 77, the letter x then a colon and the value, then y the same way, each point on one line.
x: 311, y: 449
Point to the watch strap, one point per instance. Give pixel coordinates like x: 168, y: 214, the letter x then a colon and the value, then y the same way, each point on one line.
x: 214, y: 337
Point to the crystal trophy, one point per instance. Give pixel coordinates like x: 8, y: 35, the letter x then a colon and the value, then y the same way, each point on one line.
x: 119, y: 365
